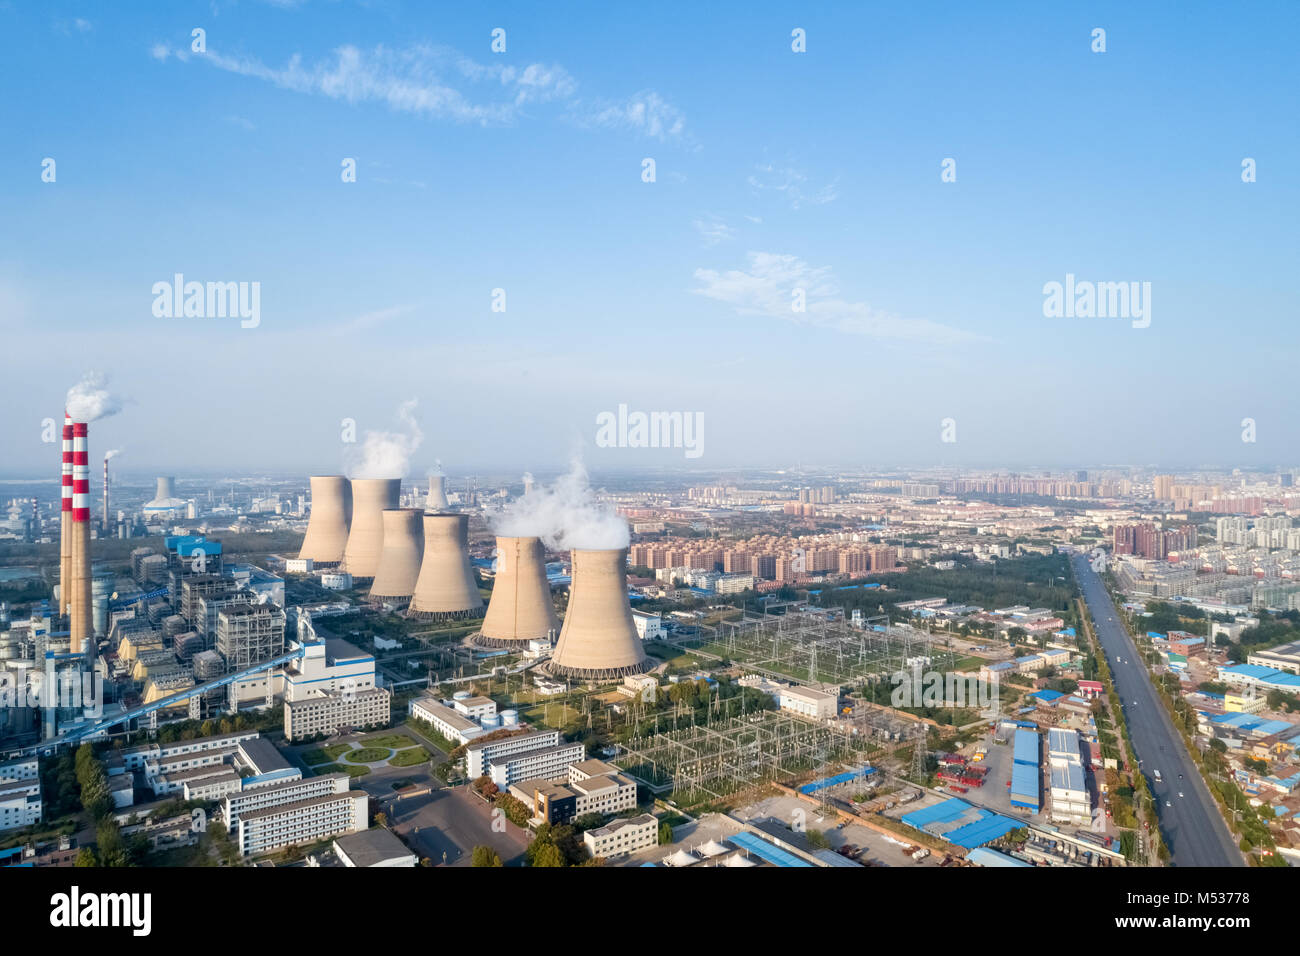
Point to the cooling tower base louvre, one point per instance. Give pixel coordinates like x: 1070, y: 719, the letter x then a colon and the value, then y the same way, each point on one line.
x: 443, y: 615
x: 497, y: 643
x: 560, y: 672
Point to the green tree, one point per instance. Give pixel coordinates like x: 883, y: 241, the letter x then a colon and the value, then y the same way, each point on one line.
x: 86, y: 857
x: 548, y: 855
x: 665, y: 834
x: 485, y: 856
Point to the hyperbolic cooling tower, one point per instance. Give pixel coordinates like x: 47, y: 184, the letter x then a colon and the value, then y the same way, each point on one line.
x: 598, y: 640
x: 520, y: 609
x: 446, y: 587
x: 437, y: 500
x: 371, y: 497
x: 399, y: 564
x: 331, y: 514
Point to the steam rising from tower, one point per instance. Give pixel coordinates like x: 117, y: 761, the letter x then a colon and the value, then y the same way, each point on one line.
x: 565, y: 515
x: 371, y: 497
x: 520, y: 609
x: 331, y: 516
x: 399, y: 563
x: 599, y: 640
x: 446, y: 587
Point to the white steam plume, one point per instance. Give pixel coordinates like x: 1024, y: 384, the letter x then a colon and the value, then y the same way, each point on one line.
x: 112, y: 454
x: 89, y: 401
x: 387, y: 454
x: 436, y: 471
x: 565, y: 515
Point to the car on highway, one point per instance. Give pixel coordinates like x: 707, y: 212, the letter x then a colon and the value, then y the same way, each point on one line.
x: 1168, y: 804
x: 1180, y: 793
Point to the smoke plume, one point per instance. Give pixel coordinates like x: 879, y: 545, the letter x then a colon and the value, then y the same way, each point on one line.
x: 89, y: 401
x: 565, y: 515
x: 112, y: 454
x: 387, y: 454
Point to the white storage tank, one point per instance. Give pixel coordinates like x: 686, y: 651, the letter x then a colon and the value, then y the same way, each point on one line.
x: 509, y: 718
x: 490, y: 721
x: 461, y: 695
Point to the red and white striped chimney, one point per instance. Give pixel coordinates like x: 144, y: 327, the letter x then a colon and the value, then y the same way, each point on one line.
x: 81, y: 613
x: 65, y: 520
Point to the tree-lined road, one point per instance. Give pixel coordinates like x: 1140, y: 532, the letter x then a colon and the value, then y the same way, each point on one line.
x: 1192, y: 826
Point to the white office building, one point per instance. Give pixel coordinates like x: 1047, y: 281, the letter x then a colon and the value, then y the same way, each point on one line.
x: 302, y: 823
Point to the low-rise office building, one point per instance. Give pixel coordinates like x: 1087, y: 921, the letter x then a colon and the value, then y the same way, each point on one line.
x: 544, y: 762
x: 303, y: 822
x: 446, y: 721
x: 622, y: 836
x: 480, y: 753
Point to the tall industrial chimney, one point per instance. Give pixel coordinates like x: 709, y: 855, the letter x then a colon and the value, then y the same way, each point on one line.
x: 104, y: 524
x: 65, y: 522
x: 520, y: 609
x: 371, y: 497
x: 437, y: 500
x: 331, y: 515
x: 82, y: 612
x: 399, y: 562
x: 446, y: 586
x: 598, y: 640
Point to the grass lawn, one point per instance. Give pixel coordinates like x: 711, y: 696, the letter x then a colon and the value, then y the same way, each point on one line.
x: 342, y: 768
x: 409, y: 757
x: 561, y: 714
x: 366, y: 755
x: 969, y: 663
x: 324, y: 754
x: 389, y: 742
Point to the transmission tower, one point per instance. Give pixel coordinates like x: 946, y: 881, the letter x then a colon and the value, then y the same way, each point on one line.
x: 919, y: 754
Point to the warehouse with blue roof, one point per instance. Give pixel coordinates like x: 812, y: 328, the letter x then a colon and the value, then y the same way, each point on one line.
x: 1025, y: 778
x: 961, y: 824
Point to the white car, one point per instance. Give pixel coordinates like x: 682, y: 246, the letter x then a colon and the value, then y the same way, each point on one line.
x: 1168, y: 804
x: 1180, y: 793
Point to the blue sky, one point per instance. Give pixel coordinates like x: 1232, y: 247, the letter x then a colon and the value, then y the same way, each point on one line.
x: 774, y: 170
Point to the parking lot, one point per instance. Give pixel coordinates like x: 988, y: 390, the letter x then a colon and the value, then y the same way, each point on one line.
x: 452, y: 821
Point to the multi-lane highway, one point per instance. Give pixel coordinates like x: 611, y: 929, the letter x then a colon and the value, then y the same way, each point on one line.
x: 1193, y: 828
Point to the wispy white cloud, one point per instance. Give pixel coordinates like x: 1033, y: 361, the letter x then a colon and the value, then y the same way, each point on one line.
x: 713, y: 230
x: 438, y: 82
x: 793, y: 185
x: 646, y: 113
x: 767, y: 287
x: 370, y: 319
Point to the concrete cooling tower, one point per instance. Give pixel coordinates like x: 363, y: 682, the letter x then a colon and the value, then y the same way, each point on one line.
x: 164, y: 499
x: 598, y: 640
x: 399, y: 563
x: 371, y: 497
x: 437, y: 500
x: 520, y: 609
x: 445, y: 588
x: 331, y: 515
